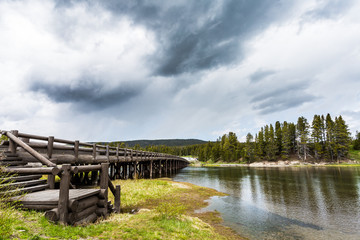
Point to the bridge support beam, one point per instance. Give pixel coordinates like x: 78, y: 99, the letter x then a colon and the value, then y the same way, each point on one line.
x: 151, y: 169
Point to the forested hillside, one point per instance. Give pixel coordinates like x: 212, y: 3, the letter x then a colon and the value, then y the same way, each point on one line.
x: 322, y: 139
x: 159, y: 142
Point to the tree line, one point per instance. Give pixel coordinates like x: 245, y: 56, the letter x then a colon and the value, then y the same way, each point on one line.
x: 324, y: 139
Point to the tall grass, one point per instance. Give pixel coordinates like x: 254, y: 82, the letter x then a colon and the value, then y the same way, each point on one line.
x: 162, y: 215
x: 7, y: 216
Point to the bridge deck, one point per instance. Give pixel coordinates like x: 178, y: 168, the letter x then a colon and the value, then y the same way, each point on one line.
x: 49, y: 198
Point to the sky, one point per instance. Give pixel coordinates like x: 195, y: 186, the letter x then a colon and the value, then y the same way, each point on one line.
x: 146, y: 69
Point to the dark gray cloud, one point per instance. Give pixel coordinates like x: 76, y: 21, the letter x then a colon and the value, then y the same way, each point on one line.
x: 196, y: 35
x: 282, y: 98
x: 260, y: 75
x: 86, y: 92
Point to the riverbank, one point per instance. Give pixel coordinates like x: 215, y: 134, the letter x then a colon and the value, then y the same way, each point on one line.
x: 151, y: 209
x: 290, y: 163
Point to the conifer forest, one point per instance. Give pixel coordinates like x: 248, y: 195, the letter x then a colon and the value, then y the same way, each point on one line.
x: 323, y: 139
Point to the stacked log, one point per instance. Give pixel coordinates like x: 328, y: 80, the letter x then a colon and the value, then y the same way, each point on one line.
x: 83, y: 211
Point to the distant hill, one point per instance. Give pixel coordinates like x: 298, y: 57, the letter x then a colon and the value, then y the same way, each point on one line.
x: 166, y: 142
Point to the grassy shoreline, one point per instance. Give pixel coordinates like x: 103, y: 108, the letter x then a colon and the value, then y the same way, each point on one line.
x: 265, y: 165
x: 152, y: 209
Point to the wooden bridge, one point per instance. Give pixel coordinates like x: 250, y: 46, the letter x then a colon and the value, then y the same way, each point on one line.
x: 27, y: 158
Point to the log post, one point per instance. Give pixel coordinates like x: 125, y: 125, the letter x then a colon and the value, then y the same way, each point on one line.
x: 117, y: 198
x: 50, y: 147
x: 51, y: 177
x: 151, y: 169
x: 94, y: 174
x: 51, y: 181
x: 160, y: 168
x: 94, y: 151
x: 107, y: 152
x: 76, y: 150
x: 117, y: 151
x: 135, y: 170
x: 104, y: 178
x: 64, y: 193
x: 12, y: 144
x: 166, y: 166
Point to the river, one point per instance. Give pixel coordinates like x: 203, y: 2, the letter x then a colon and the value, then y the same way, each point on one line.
x: 284, y: 203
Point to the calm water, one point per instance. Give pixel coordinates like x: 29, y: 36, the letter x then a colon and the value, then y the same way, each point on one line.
x: 284, y: 203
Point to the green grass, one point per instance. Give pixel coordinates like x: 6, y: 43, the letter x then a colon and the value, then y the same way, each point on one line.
x: 355, y: 155
x: 166, y: 212
x: 218, y: 164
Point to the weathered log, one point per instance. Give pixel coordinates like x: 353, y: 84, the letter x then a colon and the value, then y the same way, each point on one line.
x: 117, y: 198
x: 34, y: 153
x: 76, y: 150
x: 102, y: 193
x: 12, y: 143
x: 111, y: 186
x: 74, y: 217
x: 79, y: 205
x: 38, y: 170
x: 51, y: 181
x: 89, y: 219
x: 104, y: 180
x: 38, y: 207
x: 102, y: 212
x: 50, y: 147
x: 101, y: 203
x: 88, y: 168
x: 64, y: 194
x: 52, y: 215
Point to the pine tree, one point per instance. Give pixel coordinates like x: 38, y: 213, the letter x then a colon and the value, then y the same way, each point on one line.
x: 270, y: 146
x: 329, y: 143
x: 317, y: 136
x: 341, y: 138
x: 303, y: 136
x: 248, y: 151
x: 293, y: 142
x: 356, y: 141
x: 278, y: 137
x: 260, y: 144
x: 286, y: 141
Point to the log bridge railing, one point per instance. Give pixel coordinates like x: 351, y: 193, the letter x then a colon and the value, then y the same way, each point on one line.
x: 78, y: 163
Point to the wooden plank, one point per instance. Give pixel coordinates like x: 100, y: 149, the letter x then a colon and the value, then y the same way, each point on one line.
x: 20, y: 178
x: 39, y: 207
x: 27, y: 189
x: 24, y: 184
x: 52, y: 196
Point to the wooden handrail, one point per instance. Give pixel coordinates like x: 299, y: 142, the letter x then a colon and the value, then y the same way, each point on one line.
x: 27, y: 148
x: 39, y: 170
x: 81, y: 146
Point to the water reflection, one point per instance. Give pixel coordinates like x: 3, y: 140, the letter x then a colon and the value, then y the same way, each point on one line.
x: 289, y: 203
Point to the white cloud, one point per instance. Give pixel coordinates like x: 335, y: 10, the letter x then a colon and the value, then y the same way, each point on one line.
x: 313, y: 66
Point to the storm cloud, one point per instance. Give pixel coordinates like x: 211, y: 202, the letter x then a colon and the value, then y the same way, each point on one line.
x: 175, y: 69
x: 196, y: 35
x: 88, y: 94
x: 285, y: 97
